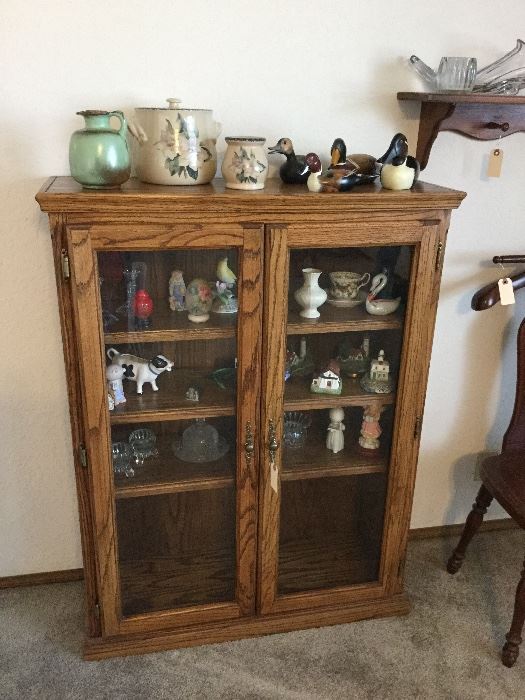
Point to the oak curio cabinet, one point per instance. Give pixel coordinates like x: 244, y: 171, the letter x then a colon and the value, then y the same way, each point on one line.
x: 262, y: 531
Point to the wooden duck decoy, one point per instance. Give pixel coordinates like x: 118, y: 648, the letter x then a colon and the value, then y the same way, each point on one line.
x: 400, y: 171
x: 339, y: 180
x: 361, y: 164
x: 295, y: 170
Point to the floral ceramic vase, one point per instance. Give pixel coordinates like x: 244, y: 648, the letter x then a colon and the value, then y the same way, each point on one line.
x: 245, y: 165
x: 198, y: 300
x: 310, y: 296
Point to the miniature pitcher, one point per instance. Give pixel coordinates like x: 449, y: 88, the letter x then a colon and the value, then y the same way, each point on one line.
x: 98, y: 155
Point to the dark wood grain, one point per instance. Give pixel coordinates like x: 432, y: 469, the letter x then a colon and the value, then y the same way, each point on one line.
x: 476, y: 115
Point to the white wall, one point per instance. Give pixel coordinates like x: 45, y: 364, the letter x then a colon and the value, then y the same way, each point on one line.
x: 311, y: 71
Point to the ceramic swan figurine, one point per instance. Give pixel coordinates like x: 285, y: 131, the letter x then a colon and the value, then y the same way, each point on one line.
x: 380, y: 307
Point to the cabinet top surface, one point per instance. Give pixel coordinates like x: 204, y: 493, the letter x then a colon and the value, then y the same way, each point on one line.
x: 63, y: 194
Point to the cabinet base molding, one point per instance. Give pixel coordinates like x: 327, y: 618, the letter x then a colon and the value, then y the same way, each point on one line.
x: 242, y: 628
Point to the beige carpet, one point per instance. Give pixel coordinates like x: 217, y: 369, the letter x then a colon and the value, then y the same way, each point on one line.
x: 448, y: 647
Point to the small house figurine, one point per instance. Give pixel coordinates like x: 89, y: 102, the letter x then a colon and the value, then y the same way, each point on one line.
x: 335, y: 439
x: 354, y: 361
x: 328, y: 381
x: 193, y: 394
x: 378, y: 380
x: 177, y: 291
x: 370, y: 428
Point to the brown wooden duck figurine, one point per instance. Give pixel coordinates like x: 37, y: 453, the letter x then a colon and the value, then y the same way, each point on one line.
x: 361, y: 164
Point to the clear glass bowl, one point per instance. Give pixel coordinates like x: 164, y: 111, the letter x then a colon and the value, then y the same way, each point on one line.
x: 143, y: 442
x: 296, y: 426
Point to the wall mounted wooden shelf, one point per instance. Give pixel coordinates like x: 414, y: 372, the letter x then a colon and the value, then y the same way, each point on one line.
x: 479, y: 116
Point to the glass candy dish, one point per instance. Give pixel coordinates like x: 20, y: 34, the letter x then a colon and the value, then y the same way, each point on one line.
x: 296, y: 426
x: 200, y: 443
x: 143, y: 442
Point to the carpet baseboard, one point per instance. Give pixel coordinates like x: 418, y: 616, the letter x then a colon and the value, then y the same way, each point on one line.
x: 42, y: 578
x: 422, y: 533
x: 419, y: 533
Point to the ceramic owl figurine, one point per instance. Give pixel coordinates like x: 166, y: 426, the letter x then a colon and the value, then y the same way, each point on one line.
x: 177, y: 291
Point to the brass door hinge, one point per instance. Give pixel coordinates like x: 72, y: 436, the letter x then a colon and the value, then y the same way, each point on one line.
x: 97, y: 611
x: 66, y: 274
x: 417, y: 427
x: 439, y: 255
x: 82, y: 452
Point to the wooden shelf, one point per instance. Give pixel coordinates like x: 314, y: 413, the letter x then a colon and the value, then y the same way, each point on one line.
x: 193, y: 578
x: 170, y: 403
x: 314, y: 461
x: 174, y: 325
x: 327, y: 562
x: 297, y: 396
x: 477, y: 115
x: 337, y: 320
x: 167, y: 474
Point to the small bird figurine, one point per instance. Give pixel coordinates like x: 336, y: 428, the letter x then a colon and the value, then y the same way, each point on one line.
x: 224, y: 274
x: 295, y: 170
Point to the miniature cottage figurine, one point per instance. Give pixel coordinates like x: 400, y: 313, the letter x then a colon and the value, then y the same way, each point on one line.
x: 114, y: 375
x: 193, y: 394
x: 378, y: 380
x: 177, y: 291
x: 370, y: 428
x: 335, y: 439
x: 354, y: 361
x: 329, y: 380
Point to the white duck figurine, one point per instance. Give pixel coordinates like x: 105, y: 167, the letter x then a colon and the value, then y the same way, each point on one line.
x: 380, y: 307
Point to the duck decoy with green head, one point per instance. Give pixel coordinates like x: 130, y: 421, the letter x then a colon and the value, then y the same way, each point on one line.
x: 294, y: 170
x: 361, y: 164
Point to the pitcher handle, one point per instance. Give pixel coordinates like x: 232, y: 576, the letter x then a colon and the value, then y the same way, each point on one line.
x: 123, y: 123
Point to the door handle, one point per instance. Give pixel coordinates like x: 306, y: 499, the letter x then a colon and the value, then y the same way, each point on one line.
x: 249, y: 444
x: 273, y: 443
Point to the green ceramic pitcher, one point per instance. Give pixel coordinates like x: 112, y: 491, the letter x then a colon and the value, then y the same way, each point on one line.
x: 98, y: 155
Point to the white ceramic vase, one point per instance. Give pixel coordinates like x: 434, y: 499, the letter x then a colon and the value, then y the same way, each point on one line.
x: 310, y: 296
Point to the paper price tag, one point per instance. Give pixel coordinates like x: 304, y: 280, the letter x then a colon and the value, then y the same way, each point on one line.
x: 495, y: 162
x: 506, y: 292
x: 274, y: 474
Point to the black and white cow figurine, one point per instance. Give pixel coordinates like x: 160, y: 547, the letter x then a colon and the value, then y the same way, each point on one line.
x: 140, y: 370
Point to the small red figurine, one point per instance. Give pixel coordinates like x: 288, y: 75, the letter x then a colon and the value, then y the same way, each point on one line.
x: 143, y: 308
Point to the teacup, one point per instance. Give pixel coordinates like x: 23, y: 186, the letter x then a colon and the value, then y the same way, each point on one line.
x: 346, y: 285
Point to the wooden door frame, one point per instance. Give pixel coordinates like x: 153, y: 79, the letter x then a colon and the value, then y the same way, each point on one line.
x: 424, y: 237
x: 84, y: 242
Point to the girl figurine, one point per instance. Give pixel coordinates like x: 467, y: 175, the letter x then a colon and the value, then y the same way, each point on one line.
x: 370, y: 428
x: 177, y: 291
x: 335, y: 439
x: 114, y: 374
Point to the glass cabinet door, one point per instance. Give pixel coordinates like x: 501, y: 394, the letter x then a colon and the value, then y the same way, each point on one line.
x: 333, y: 403
x: 167, y: 386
